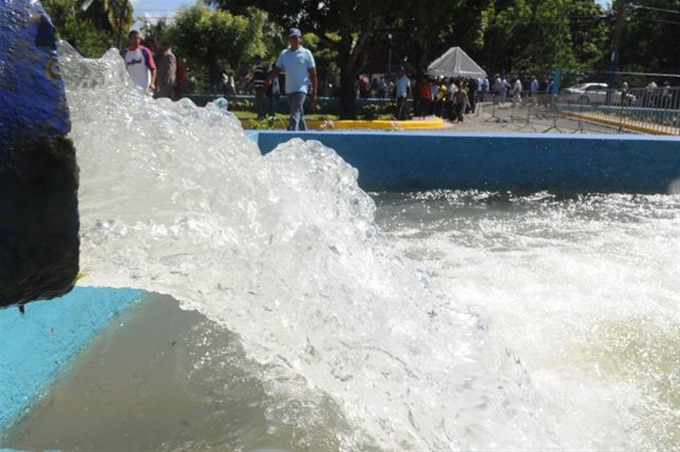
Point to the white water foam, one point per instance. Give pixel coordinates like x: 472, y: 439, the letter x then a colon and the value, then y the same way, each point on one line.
x: 586, y: 289
x: 283, y: 250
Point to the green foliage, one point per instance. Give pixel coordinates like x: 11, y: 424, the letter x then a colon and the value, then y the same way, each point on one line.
x: 213, y: 40
x: 106, y: 15
x: 82, y: 29
x: 345, y: 26
x: 650, y: 36
x: 536, y: 36
x: 241, y: 105
x: 590, y: 33
x: 424, y: 29
x: 269, y: 123
x: 371, y: 111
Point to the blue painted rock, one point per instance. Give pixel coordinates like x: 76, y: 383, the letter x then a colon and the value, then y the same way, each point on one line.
x: 39, y: 243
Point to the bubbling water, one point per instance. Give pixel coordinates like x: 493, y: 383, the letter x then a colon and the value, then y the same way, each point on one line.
x: 586, y: 287
x: 528, y: 322
x: 283, y: 250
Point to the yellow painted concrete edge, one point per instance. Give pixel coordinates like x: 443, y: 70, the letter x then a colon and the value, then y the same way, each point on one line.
x: 437, y: 123
x: 636, y: 126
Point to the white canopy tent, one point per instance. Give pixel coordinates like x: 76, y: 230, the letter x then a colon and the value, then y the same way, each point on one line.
x: 455, y: 63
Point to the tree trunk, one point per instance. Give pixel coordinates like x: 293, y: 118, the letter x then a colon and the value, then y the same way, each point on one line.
x: 352, y: 61
x: 347, y: 79
x: 213, y: 73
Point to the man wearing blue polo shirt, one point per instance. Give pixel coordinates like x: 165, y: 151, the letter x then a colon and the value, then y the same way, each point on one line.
x: 300, y: 69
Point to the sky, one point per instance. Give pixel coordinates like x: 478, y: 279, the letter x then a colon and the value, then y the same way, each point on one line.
x: 158, y: 9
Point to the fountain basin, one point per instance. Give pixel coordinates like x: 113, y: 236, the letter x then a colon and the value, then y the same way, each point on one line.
x: 35, y: 347
x: 401, y: 161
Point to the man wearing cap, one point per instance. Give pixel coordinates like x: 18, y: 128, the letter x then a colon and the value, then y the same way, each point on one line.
x: 298, y: 64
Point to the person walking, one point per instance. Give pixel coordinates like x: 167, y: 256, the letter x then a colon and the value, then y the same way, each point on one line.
x: 460, y: 102
x: 228, y: 84
x: 260, y: 83
x: 298, y: 64
x: 139, y: 63
x: 472, y: 89
x: 533, y: 90
x: 273, y: 93
x: 497, y: 89
x: 425, y: 96
x: 403, y: 87
x: 517, y: 93
x: 167, y: 72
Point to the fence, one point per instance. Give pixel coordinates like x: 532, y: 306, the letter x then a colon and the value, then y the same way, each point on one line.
x: 638, y: 110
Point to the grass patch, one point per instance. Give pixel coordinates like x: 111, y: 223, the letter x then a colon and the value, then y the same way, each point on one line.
x: 251, y: 115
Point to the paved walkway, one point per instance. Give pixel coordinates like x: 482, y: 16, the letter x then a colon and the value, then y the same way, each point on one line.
x: 626, y: 123
x: 505, y: 118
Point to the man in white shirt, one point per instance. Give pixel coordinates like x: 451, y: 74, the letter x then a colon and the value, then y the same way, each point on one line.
x: 139, y: 63
x: 403, y: 86
x: 517, y: 92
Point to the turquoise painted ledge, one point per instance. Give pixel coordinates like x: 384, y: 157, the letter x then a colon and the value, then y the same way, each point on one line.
x: 35, y: 346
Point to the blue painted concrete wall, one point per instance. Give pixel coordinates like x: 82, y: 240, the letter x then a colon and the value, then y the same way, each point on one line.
x: 407, y: 161
x: 36, y: 345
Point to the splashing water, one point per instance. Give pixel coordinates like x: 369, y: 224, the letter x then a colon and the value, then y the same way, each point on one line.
x: 283, y: 250
x: 587, y: 288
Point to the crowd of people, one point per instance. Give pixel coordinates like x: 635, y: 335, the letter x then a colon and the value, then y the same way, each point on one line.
x: 452, y: 97
x: 447, y: 97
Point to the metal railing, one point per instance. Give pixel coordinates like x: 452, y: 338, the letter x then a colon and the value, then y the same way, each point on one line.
x: 639, y: 110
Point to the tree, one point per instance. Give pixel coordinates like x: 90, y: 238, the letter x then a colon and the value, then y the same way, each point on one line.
x: 110, y: 16
x: 528, y: 36
x: 345, y: 26
x: 355, y: 31
x: 213, y: 39
x: 590, y: 33
x: 75, y: 27
x: 651, y: 32
x: 535, y: 36
x: 424, y: 29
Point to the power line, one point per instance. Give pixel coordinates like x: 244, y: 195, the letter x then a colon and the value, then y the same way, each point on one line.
x: 651, y: 8
x: 650, y: 74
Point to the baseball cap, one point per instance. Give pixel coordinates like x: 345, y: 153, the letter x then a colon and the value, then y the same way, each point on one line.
x: 294, y: 32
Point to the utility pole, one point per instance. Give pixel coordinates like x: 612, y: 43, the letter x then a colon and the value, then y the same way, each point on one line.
x: 619, y: 11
